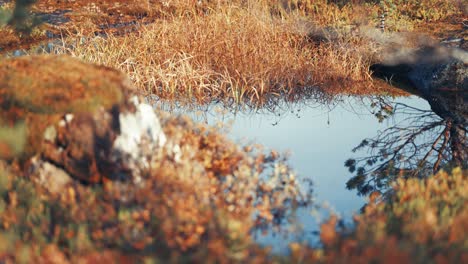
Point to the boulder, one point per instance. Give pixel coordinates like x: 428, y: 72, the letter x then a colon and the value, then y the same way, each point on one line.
x: 85, y: 119
x: 114, y: 144
x: 39, y: 90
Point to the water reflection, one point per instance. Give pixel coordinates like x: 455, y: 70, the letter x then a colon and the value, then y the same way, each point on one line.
x: 404, y: 137
x: 421, y: 142
x: 319, y: 137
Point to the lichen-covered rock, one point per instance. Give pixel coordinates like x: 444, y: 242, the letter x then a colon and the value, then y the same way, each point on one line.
x: 80, y: 117
x: 105, y: 144
x: 82, y: 144
x: 139, y: 138
x: 41, y: 89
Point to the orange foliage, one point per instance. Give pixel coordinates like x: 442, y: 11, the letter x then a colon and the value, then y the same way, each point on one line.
x: 197, y: 205
x: 423, y: 221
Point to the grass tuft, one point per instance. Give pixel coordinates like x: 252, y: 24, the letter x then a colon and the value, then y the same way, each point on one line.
x: 235, y: 55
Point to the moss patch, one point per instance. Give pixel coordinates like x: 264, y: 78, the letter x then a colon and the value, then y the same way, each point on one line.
x: 40, y: 89
x: 58, y: 84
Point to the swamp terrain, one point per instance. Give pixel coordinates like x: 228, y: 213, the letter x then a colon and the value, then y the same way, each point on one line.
x: 243, y: 131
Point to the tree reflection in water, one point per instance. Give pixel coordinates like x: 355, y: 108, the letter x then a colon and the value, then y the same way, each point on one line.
x: 423, y: 142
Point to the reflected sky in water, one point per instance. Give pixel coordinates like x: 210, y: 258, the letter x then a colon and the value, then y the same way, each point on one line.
x: 319, y: 139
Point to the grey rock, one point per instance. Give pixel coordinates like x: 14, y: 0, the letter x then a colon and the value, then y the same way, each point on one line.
x: 115, y: 145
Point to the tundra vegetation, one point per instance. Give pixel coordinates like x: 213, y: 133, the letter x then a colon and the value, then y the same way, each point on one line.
x: 204, y: 205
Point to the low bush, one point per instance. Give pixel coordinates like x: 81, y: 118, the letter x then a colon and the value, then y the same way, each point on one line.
x: 423, y: 221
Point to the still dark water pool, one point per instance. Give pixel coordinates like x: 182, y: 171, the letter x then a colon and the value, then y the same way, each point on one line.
x: 319, y: 139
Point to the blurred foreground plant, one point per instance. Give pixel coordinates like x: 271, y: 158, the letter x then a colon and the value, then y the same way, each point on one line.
x: 21, y: 19
x: 425, y: 221
x: 12, y: 140
x: 199, y: 205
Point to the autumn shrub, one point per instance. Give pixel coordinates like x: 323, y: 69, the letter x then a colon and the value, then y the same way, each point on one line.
x: 200, y: 201
x: 424, y: 221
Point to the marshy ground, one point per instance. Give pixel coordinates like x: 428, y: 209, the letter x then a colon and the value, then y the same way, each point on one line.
x: 295, y: 75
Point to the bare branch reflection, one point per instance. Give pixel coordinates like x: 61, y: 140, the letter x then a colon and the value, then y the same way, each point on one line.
x: 421, y: 143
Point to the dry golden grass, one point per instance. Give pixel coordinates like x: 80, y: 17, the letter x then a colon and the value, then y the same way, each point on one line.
x: 252, y: 51
x: 232, y: 55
